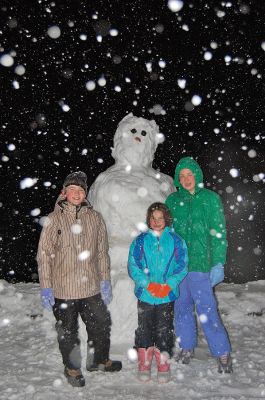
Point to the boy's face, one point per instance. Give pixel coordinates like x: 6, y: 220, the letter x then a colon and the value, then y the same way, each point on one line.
x: 187, y: 180
x: 157, y: 221
x: 74, y: 194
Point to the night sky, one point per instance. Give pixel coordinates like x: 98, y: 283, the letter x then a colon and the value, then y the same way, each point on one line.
x: 63, y: 97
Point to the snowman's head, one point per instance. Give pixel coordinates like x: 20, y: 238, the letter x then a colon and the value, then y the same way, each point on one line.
x: 135, y: 141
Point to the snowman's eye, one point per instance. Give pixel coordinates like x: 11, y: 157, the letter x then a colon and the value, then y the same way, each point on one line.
x: 133, y: 130
x: 143, y: 133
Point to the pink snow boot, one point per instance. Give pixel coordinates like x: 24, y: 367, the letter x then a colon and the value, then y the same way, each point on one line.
x: 145, y: 357
x: 163, y: 366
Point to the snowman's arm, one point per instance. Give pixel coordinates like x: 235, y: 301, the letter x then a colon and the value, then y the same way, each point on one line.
x: 169, y: 181
x: 137, y: 269
x: 99, y: 194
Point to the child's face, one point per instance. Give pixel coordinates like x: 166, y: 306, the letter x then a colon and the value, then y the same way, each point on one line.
x: 157, y: 221
x: 187, y: 180
x: 74, y: 194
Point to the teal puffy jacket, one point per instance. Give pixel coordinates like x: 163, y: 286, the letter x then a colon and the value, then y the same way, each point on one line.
x: 199, y: 219
x: 157, y: 259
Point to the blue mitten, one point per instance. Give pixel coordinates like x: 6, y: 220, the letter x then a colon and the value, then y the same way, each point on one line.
x: 217, y: 274
x: 106, y: 291
x: 47, y: 298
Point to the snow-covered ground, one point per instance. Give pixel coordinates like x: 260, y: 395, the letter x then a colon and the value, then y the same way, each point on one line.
x: 31, y: 366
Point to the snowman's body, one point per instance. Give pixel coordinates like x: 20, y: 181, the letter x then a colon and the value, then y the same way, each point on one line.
x: 123, y: 198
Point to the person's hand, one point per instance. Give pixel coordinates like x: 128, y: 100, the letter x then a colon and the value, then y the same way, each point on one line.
x: 158, y: 289
x: 106, y: 292
x: 153, y: 288
x: 164, y: 290
x: 217, y: 274
x: 47, y: 298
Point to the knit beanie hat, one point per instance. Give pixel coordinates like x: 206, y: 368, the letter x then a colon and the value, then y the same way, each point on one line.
x: 78, y: 178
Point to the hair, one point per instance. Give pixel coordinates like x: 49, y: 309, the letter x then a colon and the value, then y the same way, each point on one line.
x: 160, y: 207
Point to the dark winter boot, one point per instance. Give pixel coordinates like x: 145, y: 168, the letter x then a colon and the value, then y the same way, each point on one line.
x: 185, y: 356
x: 225, y: 364
x: 106, y: 366
x: 74, y: 377
x: 163, y: 366
x: 145, y: 357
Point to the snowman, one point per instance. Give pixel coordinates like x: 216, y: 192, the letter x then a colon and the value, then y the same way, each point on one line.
x: 122, y: 195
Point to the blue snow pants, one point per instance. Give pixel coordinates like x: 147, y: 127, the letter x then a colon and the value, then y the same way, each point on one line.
x: 196, y: 292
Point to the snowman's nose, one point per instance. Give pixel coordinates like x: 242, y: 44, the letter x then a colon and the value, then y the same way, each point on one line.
x: 137, y: 139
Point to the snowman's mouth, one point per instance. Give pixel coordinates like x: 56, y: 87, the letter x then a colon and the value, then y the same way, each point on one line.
x: 137, y: 139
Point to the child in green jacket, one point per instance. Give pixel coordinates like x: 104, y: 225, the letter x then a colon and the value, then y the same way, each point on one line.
x: 199, y: 218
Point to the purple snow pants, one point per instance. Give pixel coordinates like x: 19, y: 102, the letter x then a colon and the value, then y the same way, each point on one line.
x: 196, y: 291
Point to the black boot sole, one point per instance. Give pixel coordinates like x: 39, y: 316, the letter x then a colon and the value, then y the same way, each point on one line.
x: 75, y: 381
x: 116, y: 366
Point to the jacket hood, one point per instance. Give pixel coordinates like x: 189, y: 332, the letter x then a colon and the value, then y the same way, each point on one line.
x: 190, y: 163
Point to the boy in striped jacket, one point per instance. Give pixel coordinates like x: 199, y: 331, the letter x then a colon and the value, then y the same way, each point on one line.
x: 74, y: 273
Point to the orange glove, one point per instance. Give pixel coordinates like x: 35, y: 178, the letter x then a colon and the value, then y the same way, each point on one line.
x: 164, y: 290
x: 153, y: 288
x: 158, y: 289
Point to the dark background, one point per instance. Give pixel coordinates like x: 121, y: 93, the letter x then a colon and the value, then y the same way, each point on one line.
x: 50, y: 143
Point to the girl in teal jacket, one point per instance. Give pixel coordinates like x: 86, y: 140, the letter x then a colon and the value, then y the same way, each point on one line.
x: 157, y: 264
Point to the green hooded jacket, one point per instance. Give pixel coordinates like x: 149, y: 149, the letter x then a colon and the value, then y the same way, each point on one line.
x: 199, y: 219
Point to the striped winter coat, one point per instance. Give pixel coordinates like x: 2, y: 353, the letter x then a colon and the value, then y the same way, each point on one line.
x: 73, y: 252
